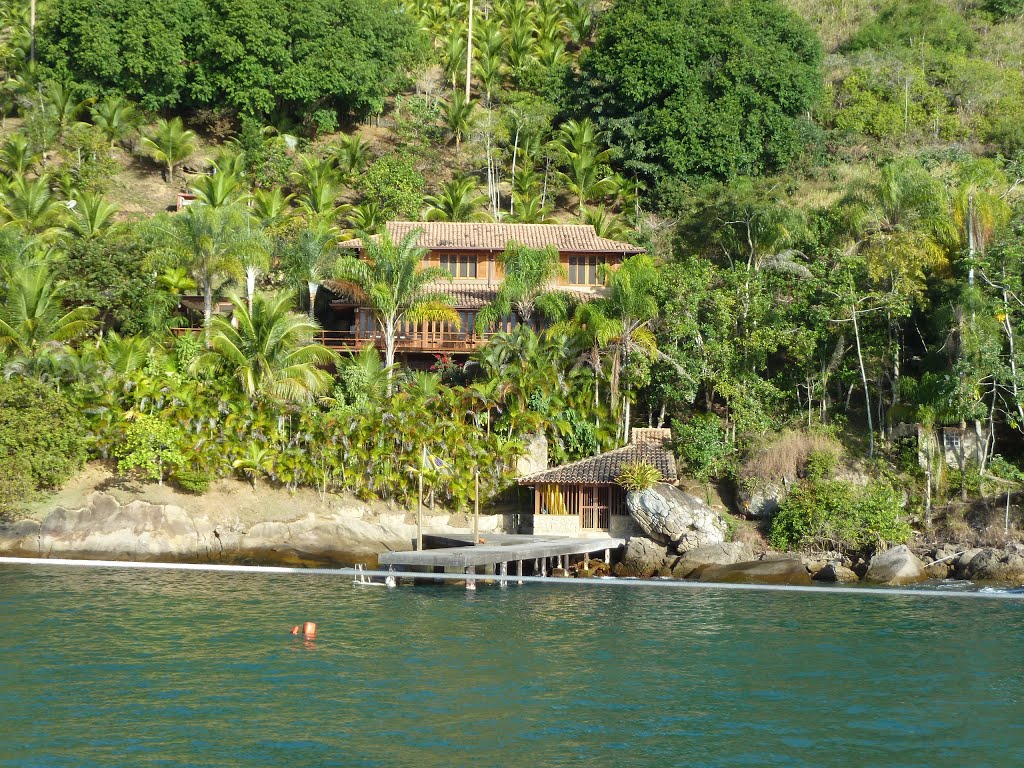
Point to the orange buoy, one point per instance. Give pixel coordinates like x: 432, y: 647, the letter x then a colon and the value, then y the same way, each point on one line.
x: 295, y: 629
x: 309, y: 629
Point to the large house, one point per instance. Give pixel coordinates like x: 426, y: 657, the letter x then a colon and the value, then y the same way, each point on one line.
x: 470, y: 253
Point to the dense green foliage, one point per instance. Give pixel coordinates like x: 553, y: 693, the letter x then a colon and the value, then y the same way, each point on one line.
x: 42, y: 437
x: 834, y: 246
x: 300, y: 56
x: 833, y: 515
x: 690, y: 88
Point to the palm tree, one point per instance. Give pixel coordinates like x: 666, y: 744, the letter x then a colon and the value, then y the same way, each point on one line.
x: 209, y: 242
x: 459, y: 116
x: 34, y: 324
x: 218, y: 189
x: 632, y: 302
x: 308, y: 259
x: 530, y: 274
x: 605, y: 224
x: 369, y: 217
x: 531, y: 210
x: 92, y: 217
x: 270, y: 207
x: 17, y: 157
x: 353, y: 155
x: 30, y: 205
x: 457, y: 200
x: 116, y: 118
x: 62, y: 106
x: 170, y: 144
x: 391, y: 282
x: 271, y: 354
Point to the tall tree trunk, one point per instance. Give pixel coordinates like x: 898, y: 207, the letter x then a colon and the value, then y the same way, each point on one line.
x: 250, y: 285
x: 469, y: 53
x: 390, y: 340
x: 864, y: 381
x: 311, y: 287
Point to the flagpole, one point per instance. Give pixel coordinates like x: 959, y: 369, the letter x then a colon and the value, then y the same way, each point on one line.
x: 419, y: 504
x: 476, y: 510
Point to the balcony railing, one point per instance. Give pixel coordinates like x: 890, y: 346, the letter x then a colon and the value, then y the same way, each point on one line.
x: 432, y: 341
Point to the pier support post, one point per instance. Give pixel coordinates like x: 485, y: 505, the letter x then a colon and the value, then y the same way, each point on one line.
x: 608, y: 558
x: 586, y: 561
x: 519, y: 572
x: 504, y: 572
x: 470, y: 583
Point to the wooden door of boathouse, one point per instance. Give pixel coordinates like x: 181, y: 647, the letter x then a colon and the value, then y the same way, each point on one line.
x: 595, y: 504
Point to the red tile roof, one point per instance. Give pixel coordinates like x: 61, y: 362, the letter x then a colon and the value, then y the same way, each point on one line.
x: 605, y: 467
x: 490, y: 236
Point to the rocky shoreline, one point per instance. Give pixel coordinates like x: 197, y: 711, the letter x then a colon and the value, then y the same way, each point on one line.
x: 342, y: 533
x: 685, y: 539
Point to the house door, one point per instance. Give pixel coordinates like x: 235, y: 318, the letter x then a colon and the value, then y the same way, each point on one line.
x: 594, y: 509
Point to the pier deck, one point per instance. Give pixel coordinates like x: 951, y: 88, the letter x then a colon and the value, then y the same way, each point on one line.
x: 497, y: 549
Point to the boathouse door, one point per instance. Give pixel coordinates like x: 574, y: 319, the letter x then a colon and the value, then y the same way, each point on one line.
x: 594, y: 515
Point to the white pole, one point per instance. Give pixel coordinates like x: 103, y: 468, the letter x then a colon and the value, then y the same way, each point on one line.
x: 419, y: 504
x: 469, y: 50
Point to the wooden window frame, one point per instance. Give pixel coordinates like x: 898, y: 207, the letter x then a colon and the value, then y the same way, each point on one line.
x: 581, y: 264
x: 461, y: 266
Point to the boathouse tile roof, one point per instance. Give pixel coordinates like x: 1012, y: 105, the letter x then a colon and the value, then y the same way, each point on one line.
x: 649, y: 446
x: 492, y: 236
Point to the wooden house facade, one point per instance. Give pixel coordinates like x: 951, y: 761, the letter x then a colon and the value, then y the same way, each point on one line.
x: 470, y: 252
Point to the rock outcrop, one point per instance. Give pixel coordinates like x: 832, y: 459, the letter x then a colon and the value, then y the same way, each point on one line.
x: 788, y: 571
x: 641, y: 557
x: 762, y: 501
x: 988, y: 564
x: 837, y: 573
x: 895, y: 567
x: 139, y: 530
x: 674, y: 518
x: 691, y: 563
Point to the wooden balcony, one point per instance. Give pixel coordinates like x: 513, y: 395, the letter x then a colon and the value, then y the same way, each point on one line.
x: 432, y: 342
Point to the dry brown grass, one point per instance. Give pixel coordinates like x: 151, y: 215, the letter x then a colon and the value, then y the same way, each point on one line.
x: 785, y: 456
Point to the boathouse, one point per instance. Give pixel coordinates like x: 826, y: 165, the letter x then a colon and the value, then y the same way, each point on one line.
x: 583, y: 499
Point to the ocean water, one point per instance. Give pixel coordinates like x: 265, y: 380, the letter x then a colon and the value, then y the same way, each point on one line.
x: 109, y: 667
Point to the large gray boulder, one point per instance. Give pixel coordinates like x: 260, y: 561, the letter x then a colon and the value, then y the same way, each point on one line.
x: 990, y: 564
x: 836, y: 572
x: 692, y: 562
x: 674, y: 518
x: 641, y: 557
x: 788, y: 571
x: 895, y: 566
x: 761, y: 501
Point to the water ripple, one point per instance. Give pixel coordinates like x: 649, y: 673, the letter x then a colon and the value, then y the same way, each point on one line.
x: 144, y: 668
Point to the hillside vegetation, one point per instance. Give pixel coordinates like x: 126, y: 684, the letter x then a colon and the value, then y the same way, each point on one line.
x: 830, y: 196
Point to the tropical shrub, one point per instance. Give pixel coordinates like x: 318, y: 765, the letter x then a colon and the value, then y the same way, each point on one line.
x: 152, y: 447
x: 837, y: 515
x: 192, y: 481
x: 703, y: 445
x: 42, y: 435
x: 638, y: 476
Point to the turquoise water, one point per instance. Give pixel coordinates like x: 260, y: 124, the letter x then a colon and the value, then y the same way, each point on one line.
x: 107, y: 667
